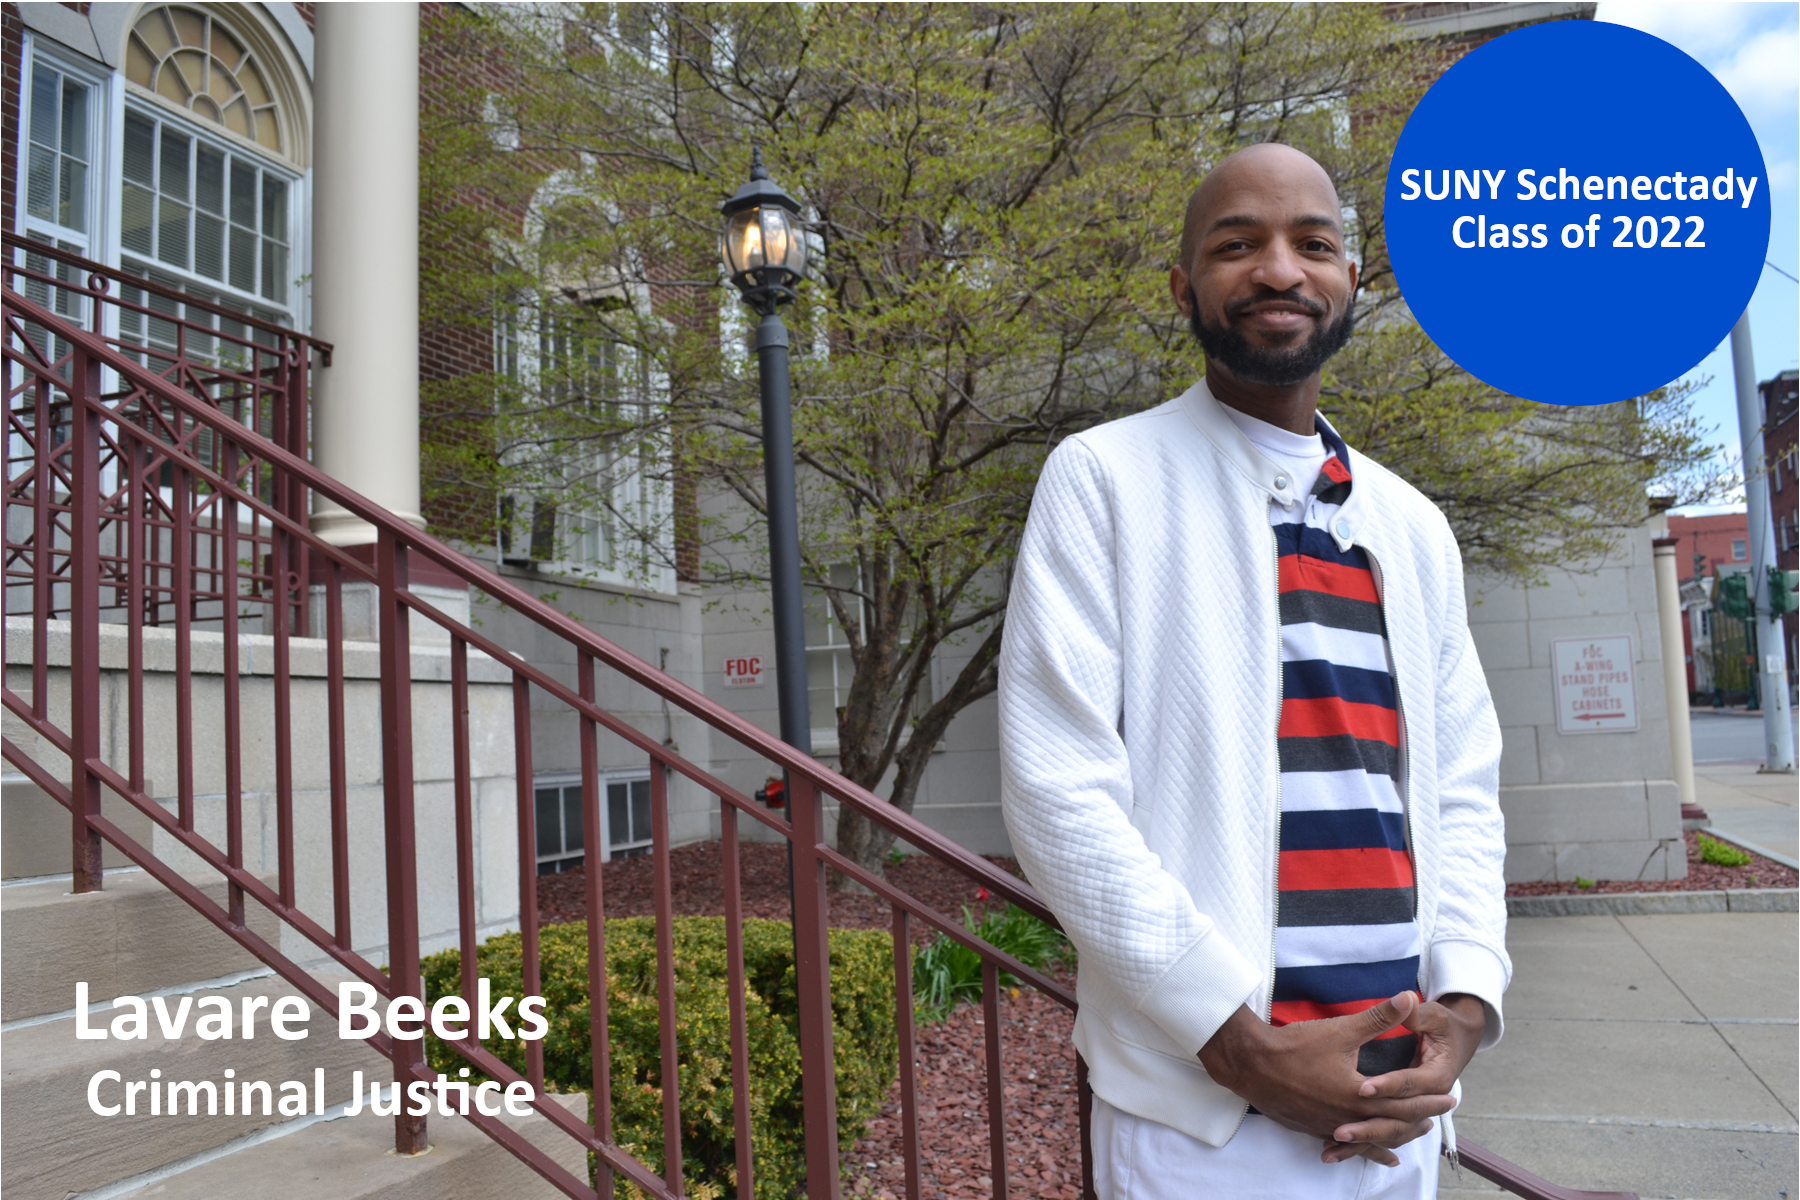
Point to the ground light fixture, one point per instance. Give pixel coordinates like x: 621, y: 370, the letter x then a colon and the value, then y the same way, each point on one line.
x: 764, y: 249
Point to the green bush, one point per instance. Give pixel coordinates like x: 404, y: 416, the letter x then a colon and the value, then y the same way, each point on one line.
x: 862, y: 975
x: 946, y: 972
x: 1720, y: 854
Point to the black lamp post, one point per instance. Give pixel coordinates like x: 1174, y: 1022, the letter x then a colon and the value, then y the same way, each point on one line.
x: 765, y: 253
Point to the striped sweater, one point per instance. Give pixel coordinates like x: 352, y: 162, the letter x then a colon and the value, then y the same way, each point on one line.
x: 1346, y: 933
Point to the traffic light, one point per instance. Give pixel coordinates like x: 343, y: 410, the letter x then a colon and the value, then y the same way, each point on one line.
x: 1734, y: 597
x: 1784, y: 591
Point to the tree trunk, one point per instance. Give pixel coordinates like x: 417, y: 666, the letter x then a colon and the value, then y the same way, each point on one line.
x: 867, y: 843
x: 864, y: 842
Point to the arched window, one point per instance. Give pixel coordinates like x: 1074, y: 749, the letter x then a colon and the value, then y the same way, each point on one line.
x: 192, y: 59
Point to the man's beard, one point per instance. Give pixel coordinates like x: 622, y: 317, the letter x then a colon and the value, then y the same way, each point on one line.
x: 1275, y: 366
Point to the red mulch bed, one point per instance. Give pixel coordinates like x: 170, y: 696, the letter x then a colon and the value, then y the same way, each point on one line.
x: 697, y: 888
x: 1043, y: 1134
x: 1043, y: 1148
x: 1701, y: 877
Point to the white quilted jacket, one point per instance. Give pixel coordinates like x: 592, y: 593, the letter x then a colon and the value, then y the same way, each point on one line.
x: 1139, y: 698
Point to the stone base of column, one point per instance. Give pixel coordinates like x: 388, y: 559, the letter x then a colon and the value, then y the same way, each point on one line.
x: 443, y: 590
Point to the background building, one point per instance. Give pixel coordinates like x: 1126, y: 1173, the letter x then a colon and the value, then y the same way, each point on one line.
x: 185, y: 143
x: 1710, y: 545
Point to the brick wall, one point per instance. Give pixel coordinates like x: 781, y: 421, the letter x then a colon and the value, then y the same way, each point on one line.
x: 449, y: 348
x: 454, y: 346
x: 12, y: 46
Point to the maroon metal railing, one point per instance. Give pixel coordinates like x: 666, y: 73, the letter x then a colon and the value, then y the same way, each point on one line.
x: 137, y: 490
x: 136, y: 486
x: 250, y: 368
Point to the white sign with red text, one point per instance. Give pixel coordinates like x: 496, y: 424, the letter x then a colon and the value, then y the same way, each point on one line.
x: 1596, y: 691
x: 743, y: 672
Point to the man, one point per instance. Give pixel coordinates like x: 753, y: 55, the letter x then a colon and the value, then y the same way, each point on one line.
x: 1248, y: 754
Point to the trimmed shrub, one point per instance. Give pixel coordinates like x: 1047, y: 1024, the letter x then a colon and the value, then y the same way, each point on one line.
x: 1721, y: 854
x: 865, y: 1044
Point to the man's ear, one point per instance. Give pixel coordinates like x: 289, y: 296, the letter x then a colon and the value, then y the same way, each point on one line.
x: 1178, y: 289
x: 1354, y: 275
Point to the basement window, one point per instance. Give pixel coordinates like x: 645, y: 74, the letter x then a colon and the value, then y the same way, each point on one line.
x: 561, y: 838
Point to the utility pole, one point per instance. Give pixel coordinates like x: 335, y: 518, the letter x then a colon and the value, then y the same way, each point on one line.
x: 1771, y: 659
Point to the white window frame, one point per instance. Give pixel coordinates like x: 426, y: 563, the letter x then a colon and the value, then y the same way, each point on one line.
x: 564, y: 780
x: 291, y: 311
x: 834, y: 651
x: 843, y: 669
x: 94, y: 240
x: 518, y: 353
x: 100, y: 238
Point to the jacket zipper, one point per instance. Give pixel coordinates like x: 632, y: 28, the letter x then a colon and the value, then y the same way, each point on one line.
x: 1275, y: 872
x: 1405, y: 735
x: 1448, y: 1135
x: 1280, y: 699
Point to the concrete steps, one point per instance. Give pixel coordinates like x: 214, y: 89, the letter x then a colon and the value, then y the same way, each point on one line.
x: 52, y: 1143
x: 133, y: 937
x: 136, y: 938
x: 350, y: 1158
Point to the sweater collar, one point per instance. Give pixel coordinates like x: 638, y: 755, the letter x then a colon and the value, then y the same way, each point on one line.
x: 1208, y: 415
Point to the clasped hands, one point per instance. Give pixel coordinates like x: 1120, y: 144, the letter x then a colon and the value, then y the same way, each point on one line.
x: 1304, y: 1075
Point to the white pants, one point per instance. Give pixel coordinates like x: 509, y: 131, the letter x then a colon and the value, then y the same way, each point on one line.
x: 1138, y: 1159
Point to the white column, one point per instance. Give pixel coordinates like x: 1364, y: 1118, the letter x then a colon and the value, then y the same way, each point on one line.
x: 365, y: 285
x: 1674, y: 664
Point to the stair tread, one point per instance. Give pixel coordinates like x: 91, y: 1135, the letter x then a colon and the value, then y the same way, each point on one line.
x: 54, y: 1144
x: 134, y: 936
x: 350, y: 1157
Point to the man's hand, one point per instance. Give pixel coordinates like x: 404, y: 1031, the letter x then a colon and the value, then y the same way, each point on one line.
x: 1304, y: 1076
x: 1448, y: 1031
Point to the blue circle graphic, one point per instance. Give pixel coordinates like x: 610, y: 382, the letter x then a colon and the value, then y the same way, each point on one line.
x: 1577, y: 212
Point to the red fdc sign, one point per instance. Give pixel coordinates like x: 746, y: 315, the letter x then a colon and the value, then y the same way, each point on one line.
x: 743, y: 672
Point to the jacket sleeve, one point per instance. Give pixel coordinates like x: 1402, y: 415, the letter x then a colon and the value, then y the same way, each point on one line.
x: 1066, y: 788
x: 1468, y: 949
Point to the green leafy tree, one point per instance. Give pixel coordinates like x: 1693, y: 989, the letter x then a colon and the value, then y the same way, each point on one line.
x: 993, y: 197
x: 1526, y: 487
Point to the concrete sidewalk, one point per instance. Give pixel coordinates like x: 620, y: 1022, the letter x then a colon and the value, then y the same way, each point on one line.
x: 1655, y: 1054
x: 1763, y: 809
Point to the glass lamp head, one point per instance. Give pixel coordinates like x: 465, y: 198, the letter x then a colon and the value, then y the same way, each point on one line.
x: 763, y: 247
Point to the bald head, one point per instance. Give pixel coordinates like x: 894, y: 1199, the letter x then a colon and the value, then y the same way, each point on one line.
x: 1265, y: 166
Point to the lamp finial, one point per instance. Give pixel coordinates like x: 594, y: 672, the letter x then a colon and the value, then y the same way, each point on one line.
x: 757, y: 171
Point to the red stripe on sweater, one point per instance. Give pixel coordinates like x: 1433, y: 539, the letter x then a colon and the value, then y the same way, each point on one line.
x: 1359, y: 867
x: 1301, y: 573
x: 1289, y: 1012
x: 1332, y: 716
x: 1336, y: 471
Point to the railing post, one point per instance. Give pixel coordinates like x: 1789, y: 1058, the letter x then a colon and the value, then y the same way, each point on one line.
x: 592, y: 813
x: 292, y: 438
x: 84, y: 615
x: 665, y: 975
x: 43, y: 526
x: 402, y: 859
x: 812, y: 977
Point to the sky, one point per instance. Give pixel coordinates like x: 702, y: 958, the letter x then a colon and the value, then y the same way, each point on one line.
x: 1754, y: 50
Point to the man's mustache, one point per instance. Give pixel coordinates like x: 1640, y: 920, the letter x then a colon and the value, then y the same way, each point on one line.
x: 1292, y: 296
